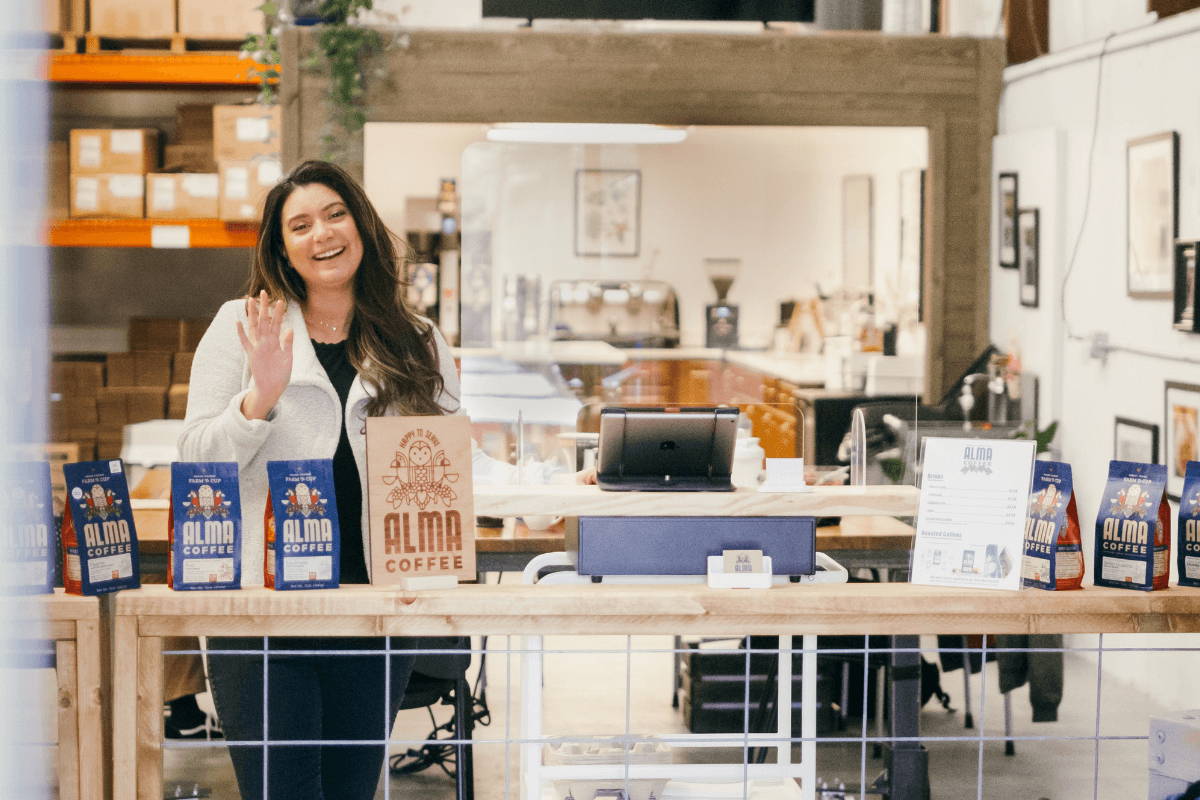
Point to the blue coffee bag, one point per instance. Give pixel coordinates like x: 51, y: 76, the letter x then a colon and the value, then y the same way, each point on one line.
x: 1189, y: 527
x: 1053, y: 547
x: 205, y: 526
x: 27, y: 542
x: 1133, y: 528
x: 303, y: 543
x: 99, y: 540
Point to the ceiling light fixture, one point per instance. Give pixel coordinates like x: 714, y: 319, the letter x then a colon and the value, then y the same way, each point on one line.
x: 585, y: 133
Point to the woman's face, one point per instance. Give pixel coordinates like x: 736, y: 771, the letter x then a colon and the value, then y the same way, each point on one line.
x: 321, y: 238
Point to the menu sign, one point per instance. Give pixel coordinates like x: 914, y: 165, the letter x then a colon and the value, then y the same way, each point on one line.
x: 971, y: 521
x: 420, y: 498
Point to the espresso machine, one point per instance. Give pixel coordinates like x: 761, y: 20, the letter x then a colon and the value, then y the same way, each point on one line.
x: 721, y: 317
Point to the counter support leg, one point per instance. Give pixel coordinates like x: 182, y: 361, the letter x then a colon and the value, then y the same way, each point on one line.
x: 808, y: 711
x: 907, y: 761
x: 531, y: 718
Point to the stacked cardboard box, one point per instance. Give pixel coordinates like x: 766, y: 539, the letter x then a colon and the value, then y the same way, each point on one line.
x: 246, y: 144
x: 177, y: 394
x: 108, y: 169
x: 132, y: 19
x: 188, y: 186
x: 166, y: 334
x: 74, y: 388
x: 219, y: 19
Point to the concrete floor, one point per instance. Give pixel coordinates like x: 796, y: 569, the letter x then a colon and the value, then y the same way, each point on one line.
x: 584, y: 695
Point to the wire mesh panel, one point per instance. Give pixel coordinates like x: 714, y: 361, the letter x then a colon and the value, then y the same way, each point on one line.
x: 723, y: 710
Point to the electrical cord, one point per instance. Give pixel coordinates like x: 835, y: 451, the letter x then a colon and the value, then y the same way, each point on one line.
x: 434, y: 753
x: 1087, y: 194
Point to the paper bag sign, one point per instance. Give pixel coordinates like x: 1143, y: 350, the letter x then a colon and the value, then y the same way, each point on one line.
x: 205, y: 526
x: 99, y: 541
x: 301, y: 525
x: 420, y: 498
x: 27, y: 545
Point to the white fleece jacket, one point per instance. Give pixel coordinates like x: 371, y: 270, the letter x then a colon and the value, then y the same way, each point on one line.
x: 305, y: 423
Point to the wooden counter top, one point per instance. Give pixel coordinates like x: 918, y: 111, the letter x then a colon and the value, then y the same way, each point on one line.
x: 580, y: 501
x: 877, y: 608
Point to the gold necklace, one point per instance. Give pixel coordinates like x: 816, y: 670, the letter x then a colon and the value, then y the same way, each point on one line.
x: 325, y: 325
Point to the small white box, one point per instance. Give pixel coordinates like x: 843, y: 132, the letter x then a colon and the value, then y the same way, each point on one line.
x: 1174, y: 750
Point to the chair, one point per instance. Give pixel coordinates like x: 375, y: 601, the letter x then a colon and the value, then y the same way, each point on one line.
x: 443, y: 680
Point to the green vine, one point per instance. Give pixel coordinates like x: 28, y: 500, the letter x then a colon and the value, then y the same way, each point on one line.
x: 264, y: 49
x: 343, y: 48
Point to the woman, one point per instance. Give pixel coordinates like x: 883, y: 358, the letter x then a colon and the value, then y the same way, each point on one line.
x: 322, y: 341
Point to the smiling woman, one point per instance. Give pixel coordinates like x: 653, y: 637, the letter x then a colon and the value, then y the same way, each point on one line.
x: 291, y: 372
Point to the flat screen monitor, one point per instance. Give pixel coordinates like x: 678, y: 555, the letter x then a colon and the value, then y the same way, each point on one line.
x: 666, y: 449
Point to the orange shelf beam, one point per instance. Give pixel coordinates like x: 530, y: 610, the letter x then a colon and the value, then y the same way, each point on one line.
x: 197, y: 69
x: 141, y: 233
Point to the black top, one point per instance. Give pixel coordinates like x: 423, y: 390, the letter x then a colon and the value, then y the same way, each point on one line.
x: 347, y: 488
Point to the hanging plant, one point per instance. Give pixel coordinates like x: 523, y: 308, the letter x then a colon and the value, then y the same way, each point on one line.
x: 343, y: 47
x: 264, y: 49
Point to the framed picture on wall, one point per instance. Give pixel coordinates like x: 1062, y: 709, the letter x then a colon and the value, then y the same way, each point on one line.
x: 1135, y: 441
x: 1181, y: 421
x: 857, y: 225
x: 1152, y: 213
x: 608, y: 210
x: 1006, y: 202
x: 912, y: 239
x: 1187, y: 290
x: 1027, y: 237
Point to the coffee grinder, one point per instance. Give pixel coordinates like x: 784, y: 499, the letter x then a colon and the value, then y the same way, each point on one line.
x: 721, y: 318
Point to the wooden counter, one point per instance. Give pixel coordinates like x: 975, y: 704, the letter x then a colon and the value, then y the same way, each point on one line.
x: 144, y: 616
x: 73, y: 624
x: 877, y: 608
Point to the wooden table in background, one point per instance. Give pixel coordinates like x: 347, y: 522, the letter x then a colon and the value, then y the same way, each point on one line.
x: 73, y: 624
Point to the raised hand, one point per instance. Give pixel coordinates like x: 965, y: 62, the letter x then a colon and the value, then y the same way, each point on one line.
x: 268, y: 350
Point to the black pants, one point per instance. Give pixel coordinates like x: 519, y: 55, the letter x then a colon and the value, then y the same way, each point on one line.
x: 311, y: 698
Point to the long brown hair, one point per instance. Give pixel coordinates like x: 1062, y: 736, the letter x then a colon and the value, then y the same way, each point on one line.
x: 391, y: 348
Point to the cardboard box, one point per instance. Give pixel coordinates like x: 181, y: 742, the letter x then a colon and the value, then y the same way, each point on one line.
x: 59, y: 453
x: 219, y: 19
x: 244, y: 186
x: 245, y: 132
x: 177, y: 397
x: 76, y: 378
x: 194, y: 124
x: 181, y: 368
x: 189, y: 158
x: 182, y: 195
x: 154, y: 333
x: 105, y: 151
x: 53, y: 16
x: 151, y: 368
x: 109, y: 439
x: 69, y: 412
x: 58, y: 180
x: 120, y: 370
x: 191, y: 331
x: 167, y: 334
x: 133, y: 19
x: 124, y: 405
x: 108, y: 196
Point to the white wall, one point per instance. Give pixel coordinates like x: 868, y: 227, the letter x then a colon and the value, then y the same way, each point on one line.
x: 1072, y: 22
x: 1149, y: 86
x: 770, y: 196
